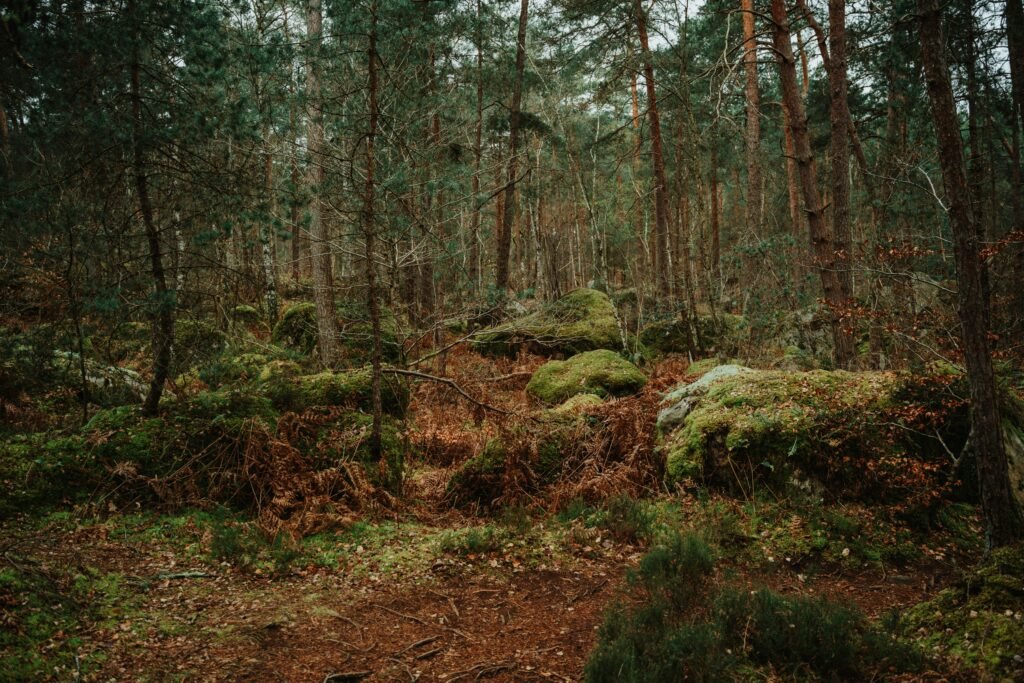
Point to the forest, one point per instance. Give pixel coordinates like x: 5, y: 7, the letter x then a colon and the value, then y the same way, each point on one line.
x: 511, y: 340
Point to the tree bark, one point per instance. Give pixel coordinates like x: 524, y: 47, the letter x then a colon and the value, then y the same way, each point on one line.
x: 821, y: 246
x: 1003, y: 520
x: 370, y: 238
x: 753, y: 131
x: 163, y: 314
x: 657, y: 157
x: 474, y: 227
x: 1015, y: 40
x: 508, y: 216
x: 839, y: 114
x: 327, y: 327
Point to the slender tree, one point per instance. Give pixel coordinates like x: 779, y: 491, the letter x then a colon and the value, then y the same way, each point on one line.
x: 1003, y: 520
x: 509, y: 209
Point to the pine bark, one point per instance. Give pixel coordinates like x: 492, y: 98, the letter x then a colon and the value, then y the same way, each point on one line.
x: 508, y: 214
x: 839, y: 113
x: 163, y: 315
x: 370, y: 239
x: 1004, y: 522
x: 320, y: 248
x: 821, y: 244
x: 1015, y: 41
x: 753, y: 130
x: 657, y: 157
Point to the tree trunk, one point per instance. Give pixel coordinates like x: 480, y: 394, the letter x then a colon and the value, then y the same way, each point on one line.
x: 1015, y: 40
x: 657, y: 157
x: 474, y: 229
x: 163, y: 314
x: 840, y: 122
x: 268, y: 238
x: 508, y: 216
x: 327, y: 327
x: 753, y: 131
x: 1003, y: 519
x: 820, y: 243
x: 370, y: 238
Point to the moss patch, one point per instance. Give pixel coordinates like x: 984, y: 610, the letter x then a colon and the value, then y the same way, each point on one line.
x: 601, y: 372
x: 980, y: 621
x: 869, y: 434
x: 582, y: 320
x: 297, y: 327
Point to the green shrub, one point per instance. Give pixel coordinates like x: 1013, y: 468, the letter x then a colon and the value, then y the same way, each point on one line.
x: 678, y: 628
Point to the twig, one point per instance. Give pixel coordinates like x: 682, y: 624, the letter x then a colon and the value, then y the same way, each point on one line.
x: 429, y: 653
x: 180, y: 575
x: 399, y: 614
x: 347, y: 676
x: 417, y: 644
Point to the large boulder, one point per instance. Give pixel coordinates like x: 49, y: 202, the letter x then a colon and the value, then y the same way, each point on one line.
x: 864, y: 435
x: 681, y: 400
x: 601, y: 372
x: 582, y: 320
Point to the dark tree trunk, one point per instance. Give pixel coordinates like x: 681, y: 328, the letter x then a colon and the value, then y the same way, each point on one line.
x: 753, y: 131
x: 821, y: 246
x: 508, y: 215
x: 1015, y: 40
x: 474, y: 228
x: 1004, y: 523
x: 327, y: 326
x: 840, y: 120
x: 163, y: 314
x: 370, y: 238
x: 657, y: 158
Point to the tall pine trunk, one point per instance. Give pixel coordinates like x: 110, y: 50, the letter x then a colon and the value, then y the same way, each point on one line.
x: 320, y: 248
x: 657, y: 157
x: 821, y: 245
x: 163, y: 297
x: 1003, y: 520
x: 753, y: 130
x: 839, y: 114
x: 508, y: 215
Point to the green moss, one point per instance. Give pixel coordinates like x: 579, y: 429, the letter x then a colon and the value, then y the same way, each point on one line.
x: 351, y: 388
x: 703, y: 365
x: 665, y: 336
x: 601, y: 372
x: 297, y: 328
x: 769, y: 424
x: 196, y: 342
x: 246, y: 315
x: 579, y: 403
x: 980, y: 621
x: 582, y: 320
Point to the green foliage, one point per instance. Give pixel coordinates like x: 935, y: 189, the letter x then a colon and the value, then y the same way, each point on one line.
x: 601, y: 372
x: 473, y: 540
x: 628, y: 520
x: 678, y: 627
x: 196, y: 342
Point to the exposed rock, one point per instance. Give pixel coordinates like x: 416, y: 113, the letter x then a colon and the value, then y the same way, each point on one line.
x: 601, y: 372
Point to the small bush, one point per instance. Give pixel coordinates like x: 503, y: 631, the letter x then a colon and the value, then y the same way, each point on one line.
x: 681, y: 630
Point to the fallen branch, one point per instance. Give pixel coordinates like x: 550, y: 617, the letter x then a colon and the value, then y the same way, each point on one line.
x: 418, y: 643
x: 404, y: 616
x: 444, y: 380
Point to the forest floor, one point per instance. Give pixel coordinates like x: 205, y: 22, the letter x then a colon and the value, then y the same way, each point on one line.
x: 420, y: 591
x: 393, y: 601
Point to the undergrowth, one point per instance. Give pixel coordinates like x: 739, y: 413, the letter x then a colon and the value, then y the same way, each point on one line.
x: 677, y: 624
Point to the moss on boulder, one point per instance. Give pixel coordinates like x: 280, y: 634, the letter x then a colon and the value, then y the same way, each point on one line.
x: 582, y: 320
x: 980, y: 620
x: 866, y: 434
x: 297, y: 327
x: 577, y: 404
x: 665, y: 336
x: 246, y: 315
x: 349, y: 388
x: 601, y: 372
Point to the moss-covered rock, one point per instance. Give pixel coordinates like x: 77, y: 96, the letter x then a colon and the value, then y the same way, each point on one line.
x: 579, y: 403
x: 349, y: 388
x: 868, y: 434
x: 601, y: 372
x: 723, y: 333
x: 582, y: 320
x: 246, y: 315
x: 665, y: 336
x: 980, y: 620
x: 196, y: 342
x: 356, y: 334
x: 297, y: 327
